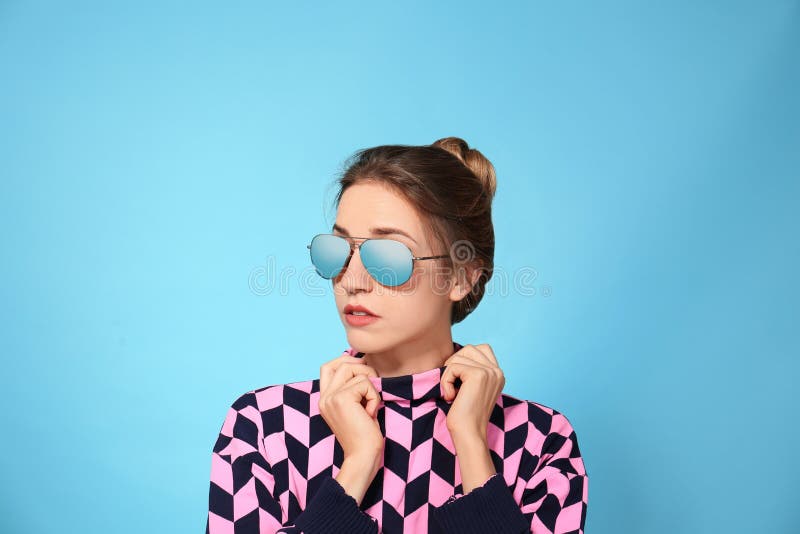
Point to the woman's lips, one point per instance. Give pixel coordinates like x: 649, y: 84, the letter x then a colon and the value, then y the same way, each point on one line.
x: 350, y: 308
x: 360, y: 320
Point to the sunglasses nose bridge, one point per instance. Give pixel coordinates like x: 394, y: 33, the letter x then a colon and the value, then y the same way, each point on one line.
x: 353, y: 248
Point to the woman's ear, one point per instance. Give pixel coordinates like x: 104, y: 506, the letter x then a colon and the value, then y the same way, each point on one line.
x: 476, y: 272
x: 465, y: 280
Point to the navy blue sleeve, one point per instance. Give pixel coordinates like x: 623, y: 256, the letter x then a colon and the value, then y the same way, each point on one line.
x: 333, y: 510
x: 487, y: 508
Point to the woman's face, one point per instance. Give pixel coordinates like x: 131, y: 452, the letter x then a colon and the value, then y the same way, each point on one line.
x: 413, y: 311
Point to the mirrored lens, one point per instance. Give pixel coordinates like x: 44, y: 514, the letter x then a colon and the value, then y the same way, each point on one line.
x: 328, y: 254
x: 388, y: 261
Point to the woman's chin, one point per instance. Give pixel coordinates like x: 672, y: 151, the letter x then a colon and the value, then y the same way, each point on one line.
x: 363, y: 341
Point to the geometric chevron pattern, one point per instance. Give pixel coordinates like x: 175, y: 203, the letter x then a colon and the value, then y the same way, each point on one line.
x: 274, y: 451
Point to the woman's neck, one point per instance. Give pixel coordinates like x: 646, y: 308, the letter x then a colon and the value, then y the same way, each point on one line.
x: 411, y: 357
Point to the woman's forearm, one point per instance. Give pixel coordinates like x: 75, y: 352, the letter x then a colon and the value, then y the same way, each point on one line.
x: 474, y: 461
x: 355, y: 477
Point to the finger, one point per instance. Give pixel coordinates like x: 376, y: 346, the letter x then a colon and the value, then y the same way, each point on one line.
x: 457, y: 369
x: 471, y: 352
x: 361, y: 388
x: 476, y: 360
x: 328, y: 370
x: 488, y: 352
x: 482, y: 357
x: 373, y: 399
x: 346, y: 371
x: 474, y: 353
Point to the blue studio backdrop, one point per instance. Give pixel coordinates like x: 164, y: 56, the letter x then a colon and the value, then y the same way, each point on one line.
x: 163, y: 166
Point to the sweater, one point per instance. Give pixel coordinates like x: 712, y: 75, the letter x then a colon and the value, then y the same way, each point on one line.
x: 274, y: 464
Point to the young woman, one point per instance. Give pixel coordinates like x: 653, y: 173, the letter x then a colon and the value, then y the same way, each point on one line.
x: 407, y: 430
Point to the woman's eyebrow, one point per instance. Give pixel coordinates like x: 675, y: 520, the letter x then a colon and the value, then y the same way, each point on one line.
x: 383, y: 230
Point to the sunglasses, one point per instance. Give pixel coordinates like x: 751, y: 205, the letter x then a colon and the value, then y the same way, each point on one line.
x: 388, y: 261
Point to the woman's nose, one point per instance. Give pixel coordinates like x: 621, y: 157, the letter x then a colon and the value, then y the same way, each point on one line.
x: 354, y: 275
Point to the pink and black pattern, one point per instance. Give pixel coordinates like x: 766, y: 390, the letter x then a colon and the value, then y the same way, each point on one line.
x: 274, y: 464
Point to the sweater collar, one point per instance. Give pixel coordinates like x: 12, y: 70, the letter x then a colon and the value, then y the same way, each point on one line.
x: 416, y: 387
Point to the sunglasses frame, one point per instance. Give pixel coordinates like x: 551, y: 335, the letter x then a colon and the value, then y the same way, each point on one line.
x: 354, y: 246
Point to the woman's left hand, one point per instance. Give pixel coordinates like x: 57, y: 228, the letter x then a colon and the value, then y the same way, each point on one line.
x: 482, y: 381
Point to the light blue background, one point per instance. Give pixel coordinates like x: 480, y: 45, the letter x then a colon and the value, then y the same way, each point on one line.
x: 156, y: 160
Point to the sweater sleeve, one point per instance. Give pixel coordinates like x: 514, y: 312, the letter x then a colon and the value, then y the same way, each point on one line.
x: 241, y: 493
x: 554, y: 497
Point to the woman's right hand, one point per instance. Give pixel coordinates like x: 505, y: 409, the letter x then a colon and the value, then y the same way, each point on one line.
x: 349, y: 403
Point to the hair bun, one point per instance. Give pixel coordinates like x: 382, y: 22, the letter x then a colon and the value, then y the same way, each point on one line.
x: 473, y: 159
